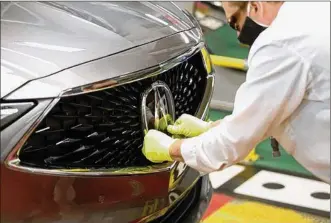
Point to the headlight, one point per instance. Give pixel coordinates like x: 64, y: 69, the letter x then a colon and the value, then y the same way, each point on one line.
x: 13, y: 111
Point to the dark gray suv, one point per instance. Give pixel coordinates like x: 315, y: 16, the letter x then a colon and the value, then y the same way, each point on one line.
x: 80, y: 84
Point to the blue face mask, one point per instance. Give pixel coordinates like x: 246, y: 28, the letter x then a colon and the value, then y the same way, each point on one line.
x: 250, y: 30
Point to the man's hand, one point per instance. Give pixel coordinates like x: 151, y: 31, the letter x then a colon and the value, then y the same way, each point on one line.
x: 160, y: 124
x: 163, y: 123
x: 156, y: 146
x: 189, y: 126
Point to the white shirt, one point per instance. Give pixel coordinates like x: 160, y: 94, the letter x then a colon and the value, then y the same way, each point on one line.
x: 286, y: 95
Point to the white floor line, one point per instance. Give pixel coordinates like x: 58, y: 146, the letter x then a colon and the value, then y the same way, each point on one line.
x: 297, y: 191
x: 218, y: 178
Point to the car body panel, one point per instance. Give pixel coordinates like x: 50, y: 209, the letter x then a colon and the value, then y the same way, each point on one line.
x: 58, y: 35
x: 124, y: 63
x: 91, y: 199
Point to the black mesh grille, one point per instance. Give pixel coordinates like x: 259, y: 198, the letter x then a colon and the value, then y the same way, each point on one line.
x: 103, y: 129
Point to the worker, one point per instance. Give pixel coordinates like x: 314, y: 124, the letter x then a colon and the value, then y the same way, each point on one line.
x: 286, y: 94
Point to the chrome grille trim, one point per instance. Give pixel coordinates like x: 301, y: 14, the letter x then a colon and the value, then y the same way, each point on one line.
x: 132, y: 77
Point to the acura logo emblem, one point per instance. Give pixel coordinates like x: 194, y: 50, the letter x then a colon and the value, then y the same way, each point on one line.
x: 157, y: 103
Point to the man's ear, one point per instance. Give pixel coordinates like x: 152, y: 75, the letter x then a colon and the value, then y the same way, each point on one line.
x: 255, y: 7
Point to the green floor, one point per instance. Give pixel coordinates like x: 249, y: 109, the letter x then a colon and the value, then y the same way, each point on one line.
x: 284, y: 163
x: 224, y: 42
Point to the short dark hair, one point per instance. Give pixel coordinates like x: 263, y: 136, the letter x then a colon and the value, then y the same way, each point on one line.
x: 239, y: 4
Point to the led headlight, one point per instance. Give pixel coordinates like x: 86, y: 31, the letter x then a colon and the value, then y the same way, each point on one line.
x: 12, y: 111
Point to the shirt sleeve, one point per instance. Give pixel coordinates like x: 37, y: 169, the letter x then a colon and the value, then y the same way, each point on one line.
x: 275, y: 86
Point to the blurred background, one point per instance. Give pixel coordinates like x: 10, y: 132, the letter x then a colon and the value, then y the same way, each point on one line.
x: 239, y: 195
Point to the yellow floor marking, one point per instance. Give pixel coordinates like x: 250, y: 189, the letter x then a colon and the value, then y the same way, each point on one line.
x: 251, y: 157
x: 255, y: 212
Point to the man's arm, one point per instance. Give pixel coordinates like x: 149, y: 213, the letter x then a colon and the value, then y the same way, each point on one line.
x: 275, y: 86
x: 175, y: 151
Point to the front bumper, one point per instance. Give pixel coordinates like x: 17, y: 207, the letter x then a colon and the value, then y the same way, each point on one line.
x: 134, y: 199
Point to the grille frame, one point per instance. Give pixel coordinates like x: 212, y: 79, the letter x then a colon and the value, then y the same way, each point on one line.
x: 13, y: 161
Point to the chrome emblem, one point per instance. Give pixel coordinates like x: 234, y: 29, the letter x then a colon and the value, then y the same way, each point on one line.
x: 157, y: 104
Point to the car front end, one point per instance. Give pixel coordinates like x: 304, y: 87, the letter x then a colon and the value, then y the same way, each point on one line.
x: 73, y: 104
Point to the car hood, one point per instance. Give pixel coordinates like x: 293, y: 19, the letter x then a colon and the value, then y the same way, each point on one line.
x: 42, y: 38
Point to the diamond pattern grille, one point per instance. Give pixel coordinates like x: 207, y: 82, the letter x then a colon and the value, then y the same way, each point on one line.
x: 103, y: 129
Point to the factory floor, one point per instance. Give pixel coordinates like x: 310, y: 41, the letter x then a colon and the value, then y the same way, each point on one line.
x: 267, y: 190
x: 247, y: 194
